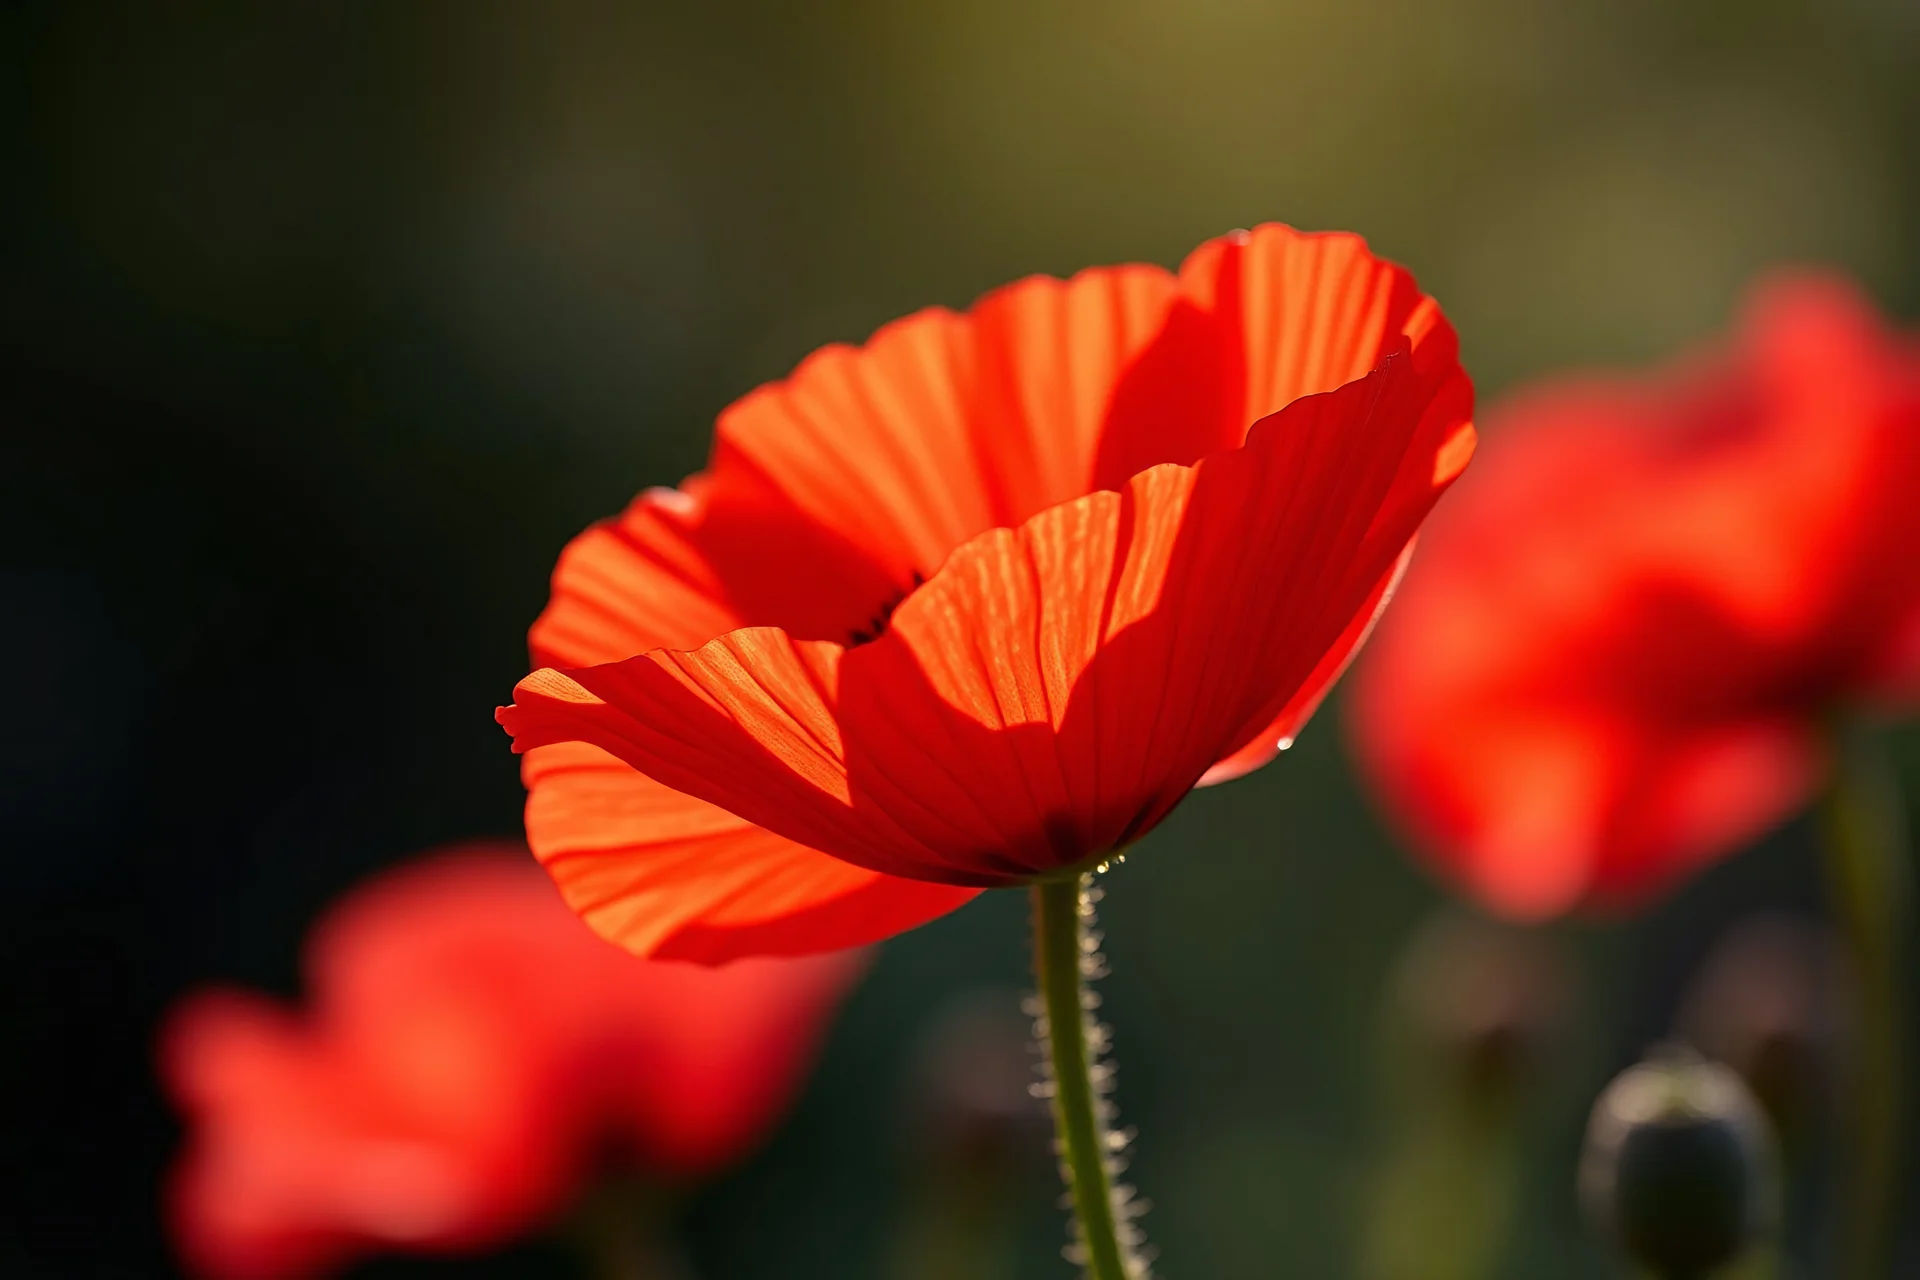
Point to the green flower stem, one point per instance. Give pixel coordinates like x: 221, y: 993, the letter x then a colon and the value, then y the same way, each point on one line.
x: 1868, y: 878
x: 1063, y: 957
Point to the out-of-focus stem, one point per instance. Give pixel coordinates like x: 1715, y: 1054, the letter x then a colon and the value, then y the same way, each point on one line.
x: 1467, y: 1027
x: 1869, y: 880
x: 975, y: 1133
x: 1443, y: 1201
x: 1063, y: 953
x: 956, y: 1230
x: 621, y: 1230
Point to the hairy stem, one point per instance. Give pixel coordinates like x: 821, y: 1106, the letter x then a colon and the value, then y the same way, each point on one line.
x: 1064, y: 956
x: 1868, y: 877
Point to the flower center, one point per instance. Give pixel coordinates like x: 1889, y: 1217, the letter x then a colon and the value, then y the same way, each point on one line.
x: 876, y: 626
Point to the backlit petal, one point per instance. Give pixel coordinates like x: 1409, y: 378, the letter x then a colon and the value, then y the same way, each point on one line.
x: 659, y: 872
x: 667, y: 875
x: 944, y: 425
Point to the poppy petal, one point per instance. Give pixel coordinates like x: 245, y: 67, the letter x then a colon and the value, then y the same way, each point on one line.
x: 1262, y: 319
x: 1056, y: 689
x: 1707, y: 789
x: 1292, y: 717
x: 666, y: 875
x: 944, y: 425
x: 681, y: 566
x: 633, y: 583
x: 1547, y: 812
x: 652, y: 869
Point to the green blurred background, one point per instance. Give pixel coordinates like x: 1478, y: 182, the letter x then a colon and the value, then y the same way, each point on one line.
x: 327, y: 325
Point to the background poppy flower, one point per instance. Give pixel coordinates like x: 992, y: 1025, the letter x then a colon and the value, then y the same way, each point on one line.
x: 466, y: 1048
x: 1616, y: 656
x: 981, y: 600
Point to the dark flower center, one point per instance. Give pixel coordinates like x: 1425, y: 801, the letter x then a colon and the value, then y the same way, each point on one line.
x: 876, y: 626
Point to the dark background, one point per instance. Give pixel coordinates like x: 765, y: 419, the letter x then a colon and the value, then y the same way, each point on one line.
x: 325, y: 326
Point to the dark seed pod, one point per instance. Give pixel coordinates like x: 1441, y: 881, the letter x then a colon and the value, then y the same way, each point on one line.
x: 1678, y: 1166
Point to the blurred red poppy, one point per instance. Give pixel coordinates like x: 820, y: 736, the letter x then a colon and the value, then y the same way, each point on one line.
x: 468, y: 1049
x: 1614, y: 657
x: 985, y: 598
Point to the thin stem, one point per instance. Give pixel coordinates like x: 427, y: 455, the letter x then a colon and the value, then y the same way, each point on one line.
x: 1063, y: 957
x: 1869, y: 881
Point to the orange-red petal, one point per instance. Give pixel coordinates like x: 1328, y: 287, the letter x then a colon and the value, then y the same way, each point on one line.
x: 667, y: 875
x: 1056, y: 688
x: 657, y: 871
x: 1299, y: 707
x: 945, y: 425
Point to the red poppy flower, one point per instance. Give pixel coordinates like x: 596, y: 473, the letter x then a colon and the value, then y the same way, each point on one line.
x: 1613, y: 659
x: 467, y: 1049
x: 985, y: 598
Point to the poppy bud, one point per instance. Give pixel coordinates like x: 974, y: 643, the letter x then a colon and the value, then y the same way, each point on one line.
x: 979, y: 1143
x: 1470, y: 1021
x: 1678, y: 1165
x: 1766, y: 1003
x: 1482, y: 1001
x: 973, y: 1104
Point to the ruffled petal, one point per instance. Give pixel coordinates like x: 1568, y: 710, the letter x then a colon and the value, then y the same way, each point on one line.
x: 656, y: 871
x: 946, y: 425
x: 681, y: 566
x: 1261, y: 319
x: 666, y: 875
x: 1056, y: 688
x: 639, y: 581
